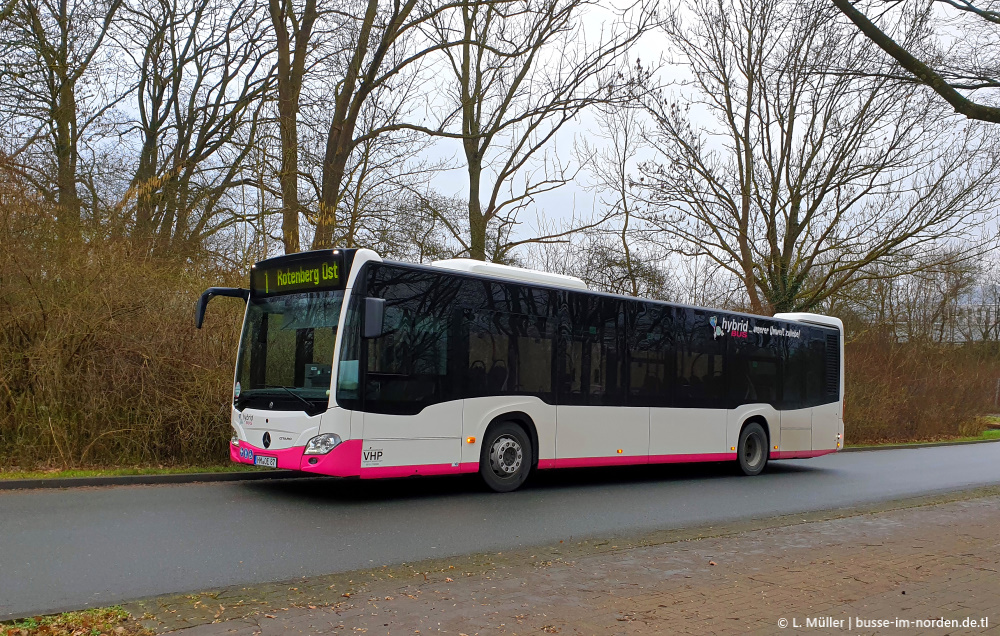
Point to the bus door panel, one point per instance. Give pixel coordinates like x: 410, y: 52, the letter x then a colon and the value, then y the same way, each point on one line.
x: 602, y: 432
x: 435, y: 432
x: 825, y: 426
x: 686, y: 431
x: 592, y: 419
x: 796, y: 431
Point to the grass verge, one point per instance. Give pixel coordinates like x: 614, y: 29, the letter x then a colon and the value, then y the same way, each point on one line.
x: 985, y: 436
x: 93, y: 622
x: 116, y: 472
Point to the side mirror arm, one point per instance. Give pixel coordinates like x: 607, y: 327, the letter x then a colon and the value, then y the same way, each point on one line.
x: 212, y: 292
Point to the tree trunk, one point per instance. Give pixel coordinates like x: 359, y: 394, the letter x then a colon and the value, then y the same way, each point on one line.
x: 477, y: 220
x: 338, y: 150
x: 64, y: 121
x: 289, y: 175
x: 291, y: 67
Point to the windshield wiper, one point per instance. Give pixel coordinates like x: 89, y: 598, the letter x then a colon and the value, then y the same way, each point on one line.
x: 309, y: 405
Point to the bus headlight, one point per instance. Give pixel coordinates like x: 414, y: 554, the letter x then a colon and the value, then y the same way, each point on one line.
x: 322, y: 444
x: 235, y: 440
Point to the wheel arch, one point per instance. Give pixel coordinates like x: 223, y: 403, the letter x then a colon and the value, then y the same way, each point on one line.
x: 759, y: 419
x: 523, y: 420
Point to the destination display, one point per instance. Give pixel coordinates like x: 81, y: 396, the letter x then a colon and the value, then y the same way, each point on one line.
x: 298, y: 273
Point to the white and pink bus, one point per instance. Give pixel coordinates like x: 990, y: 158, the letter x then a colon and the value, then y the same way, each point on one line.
x: 353, y: 366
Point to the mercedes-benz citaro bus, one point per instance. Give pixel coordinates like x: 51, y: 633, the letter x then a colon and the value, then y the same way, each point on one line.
x: 353, y: 366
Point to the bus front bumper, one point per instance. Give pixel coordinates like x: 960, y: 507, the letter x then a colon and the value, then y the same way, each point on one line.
x: 342, y: 461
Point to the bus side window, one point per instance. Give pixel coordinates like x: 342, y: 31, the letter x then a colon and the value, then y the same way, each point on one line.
x: 752, y: 365
x: 815, y: 376
x: 593, y: 361
x: 700, y: 356
x: 504, y: 340
x: 650, y: 354
x: 796, y: 359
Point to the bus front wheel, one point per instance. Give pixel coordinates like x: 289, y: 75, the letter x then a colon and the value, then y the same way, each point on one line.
x: 752, y: 450
x: 506, y: 458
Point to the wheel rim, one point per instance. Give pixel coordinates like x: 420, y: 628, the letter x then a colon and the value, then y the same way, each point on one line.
x: 753, y: 450
x: 506, y: 456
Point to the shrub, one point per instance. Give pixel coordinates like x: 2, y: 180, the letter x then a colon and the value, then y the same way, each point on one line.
x: 916, y: 390
x: 100, y: 363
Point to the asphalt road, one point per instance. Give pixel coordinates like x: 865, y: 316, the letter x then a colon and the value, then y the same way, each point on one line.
x: 66, y: 549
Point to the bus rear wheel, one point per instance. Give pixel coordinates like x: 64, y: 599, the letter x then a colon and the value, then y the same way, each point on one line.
x: 752, y: 450
x: 506, y: 457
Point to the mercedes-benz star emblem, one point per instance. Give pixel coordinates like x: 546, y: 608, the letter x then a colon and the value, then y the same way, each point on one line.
x: 267, y: 440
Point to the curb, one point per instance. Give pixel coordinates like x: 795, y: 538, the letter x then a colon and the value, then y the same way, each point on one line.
x: 191, y: 478
x: 859, y: 449
x: 136, y: 480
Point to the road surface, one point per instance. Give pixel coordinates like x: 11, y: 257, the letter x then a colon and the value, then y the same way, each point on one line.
x: 67, y: 549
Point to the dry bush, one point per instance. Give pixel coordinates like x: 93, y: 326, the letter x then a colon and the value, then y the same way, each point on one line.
x: 100, y: 363
x: 901, y: 392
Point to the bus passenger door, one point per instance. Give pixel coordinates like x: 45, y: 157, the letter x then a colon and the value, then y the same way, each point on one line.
x: 592, y: 421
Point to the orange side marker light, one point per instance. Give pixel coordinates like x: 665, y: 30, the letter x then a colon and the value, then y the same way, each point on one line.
x: 470, y: 440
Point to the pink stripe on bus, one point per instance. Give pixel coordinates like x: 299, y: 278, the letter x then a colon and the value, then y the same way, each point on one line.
x: 630, y: 460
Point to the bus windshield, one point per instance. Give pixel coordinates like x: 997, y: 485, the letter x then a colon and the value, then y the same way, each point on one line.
x: 286, y: 351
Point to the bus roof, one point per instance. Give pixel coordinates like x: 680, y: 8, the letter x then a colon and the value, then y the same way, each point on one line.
x: 522, y: 274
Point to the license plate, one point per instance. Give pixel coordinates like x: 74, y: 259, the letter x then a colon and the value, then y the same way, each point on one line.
x: 262, y: 460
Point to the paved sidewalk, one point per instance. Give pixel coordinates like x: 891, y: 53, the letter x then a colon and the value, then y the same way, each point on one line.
x: 920, y: 563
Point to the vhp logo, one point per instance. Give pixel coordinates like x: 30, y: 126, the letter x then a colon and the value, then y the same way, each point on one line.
x: 372, y: 455
x: 246, y: 453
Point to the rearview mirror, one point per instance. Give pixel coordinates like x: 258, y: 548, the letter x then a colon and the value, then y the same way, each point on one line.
x: 212, y: 292
x: 374, y: 313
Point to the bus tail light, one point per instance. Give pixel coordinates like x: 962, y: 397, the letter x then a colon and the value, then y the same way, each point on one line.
x: 322, y: 444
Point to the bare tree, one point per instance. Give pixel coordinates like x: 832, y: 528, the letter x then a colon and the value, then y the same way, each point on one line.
x: 621, y: 133
x: 199, y: 99
x: 807, y: 178
x: 7, y: 9
x: 293, y: 32
x: 959, y: 73
x: 382, y: 46
x: 382, y: 170
x: 523, y: 71
x: 47, y: 49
